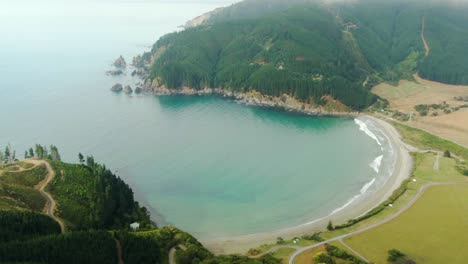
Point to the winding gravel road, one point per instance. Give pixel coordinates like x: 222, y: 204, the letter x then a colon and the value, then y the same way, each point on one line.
x: 51, y: 205
x: 423, y: 28
x: 172, y: 252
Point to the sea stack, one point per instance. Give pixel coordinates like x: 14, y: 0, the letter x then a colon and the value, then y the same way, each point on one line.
x: 138, y: 90
x: 115, y: 72
x: 117, y: 88
x: 128, y: 89
x: 120, y: 62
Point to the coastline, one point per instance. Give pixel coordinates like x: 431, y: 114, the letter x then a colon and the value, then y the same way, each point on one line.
x: 402, y: 170
x: 284, y: 102
x: 241, y: 244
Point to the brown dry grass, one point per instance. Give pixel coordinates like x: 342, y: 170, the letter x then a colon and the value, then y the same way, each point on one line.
x: 408, y: 94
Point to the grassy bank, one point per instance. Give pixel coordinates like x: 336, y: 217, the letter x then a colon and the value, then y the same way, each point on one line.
x: 427, y: 141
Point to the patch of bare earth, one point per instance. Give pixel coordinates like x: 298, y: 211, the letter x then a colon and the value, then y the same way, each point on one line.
x: 404, y: 97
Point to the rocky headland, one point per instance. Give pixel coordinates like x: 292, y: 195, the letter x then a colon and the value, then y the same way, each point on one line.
x: 330, y: 107
x: 120, y: 62
x: 284, y: 102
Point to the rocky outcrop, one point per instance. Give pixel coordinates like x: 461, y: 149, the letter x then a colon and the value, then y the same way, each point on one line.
x: 115, y: 72
x: 117, y: 87
x: 138, y: 90
x: 140, y: 72
x: 120, y: 62
x: 251, y: 98
x: 128, y: 89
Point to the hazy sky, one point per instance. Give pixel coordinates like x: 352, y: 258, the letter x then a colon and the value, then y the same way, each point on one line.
x: 34, y: 8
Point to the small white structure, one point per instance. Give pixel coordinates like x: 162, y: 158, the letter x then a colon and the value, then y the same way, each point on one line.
x: 135, y: 226
x: 390, y: 205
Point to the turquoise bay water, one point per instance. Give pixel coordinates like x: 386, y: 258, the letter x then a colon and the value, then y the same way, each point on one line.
x: 207, y: 165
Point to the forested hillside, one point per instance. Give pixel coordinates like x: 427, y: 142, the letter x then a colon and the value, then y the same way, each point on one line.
x: 91, y: 196
x: 308, y: 49
x: 97, y: 208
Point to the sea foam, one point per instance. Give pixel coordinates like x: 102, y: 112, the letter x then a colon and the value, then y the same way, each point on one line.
x: 376, y: 163
x: 354, y: 198
x: 363, y: 127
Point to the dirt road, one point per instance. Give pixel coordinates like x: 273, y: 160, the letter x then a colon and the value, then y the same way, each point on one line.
x: 51, y: 205
x: 426, y: 46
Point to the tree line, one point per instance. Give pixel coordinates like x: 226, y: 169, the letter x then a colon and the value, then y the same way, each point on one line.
x: 8, y: 156
x: 21, y: 225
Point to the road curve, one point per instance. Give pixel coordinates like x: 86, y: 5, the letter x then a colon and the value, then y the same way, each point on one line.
x: 273, y: 249
x: 172, y: 252
x: 51, y: 205
x: 353, y: 251
x: 390, y: 218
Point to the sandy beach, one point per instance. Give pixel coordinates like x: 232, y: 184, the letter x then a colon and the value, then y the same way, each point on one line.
x: 402, y: 170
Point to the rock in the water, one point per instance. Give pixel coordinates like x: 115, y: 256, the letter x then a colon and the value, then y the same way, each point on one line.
x: 115, y: 72
x: 120, y: 62
x: 128, y: 89
x: 117, y: 88
x: 138, y: 90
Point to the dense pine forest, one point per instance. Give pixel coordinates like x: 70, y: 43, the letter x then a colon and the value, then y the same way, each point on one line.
x: 91, y: 196
x: 308, y: 49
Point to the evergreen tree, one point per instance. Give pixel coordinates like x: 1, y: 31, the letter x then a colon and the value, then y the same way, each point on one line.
x: 330, y: 226
x: 39, y: 151
x: 31, y: 152
x: 7, y: 153
x: 447, y: 154
x: 80, y: 158
x: 90, y: 162
x: 54, y: 153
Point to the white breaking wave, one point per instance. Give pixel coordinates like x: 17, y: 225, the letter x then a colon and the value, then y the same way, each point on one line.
x: 376, y: 163
x: 363, y: 127
x: 350, y: 201
x: 367, y: 186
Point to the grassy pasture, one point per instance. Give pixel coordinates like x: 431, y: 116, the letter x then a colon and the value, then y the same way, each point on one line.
x: 433, y: 230
x: 408, y: 94
x: 17, y: 183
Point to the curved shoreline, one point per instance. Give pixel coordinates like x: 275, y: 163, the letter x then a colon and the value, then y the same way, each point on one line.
x: 401, y: 171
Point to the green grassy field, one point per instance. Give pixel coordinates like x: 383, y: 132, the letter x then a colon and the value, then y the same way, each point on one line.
x: 308, y: 256
x: 426, y: 141
x: 28, y: 177
x: 17, y: 183
x: 391, y: 92
x: 432, y: 231
x: 423, y: 173
x: 432, y: 218
x: 283, y: 254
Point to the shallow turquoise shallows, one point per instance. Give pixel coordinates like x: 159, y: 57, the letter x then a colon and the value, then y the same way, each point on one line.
x: 206, y: 165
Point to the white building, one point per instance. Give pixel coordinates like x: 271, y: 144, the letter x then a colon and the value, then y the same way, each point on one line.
x: 135, y: 226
